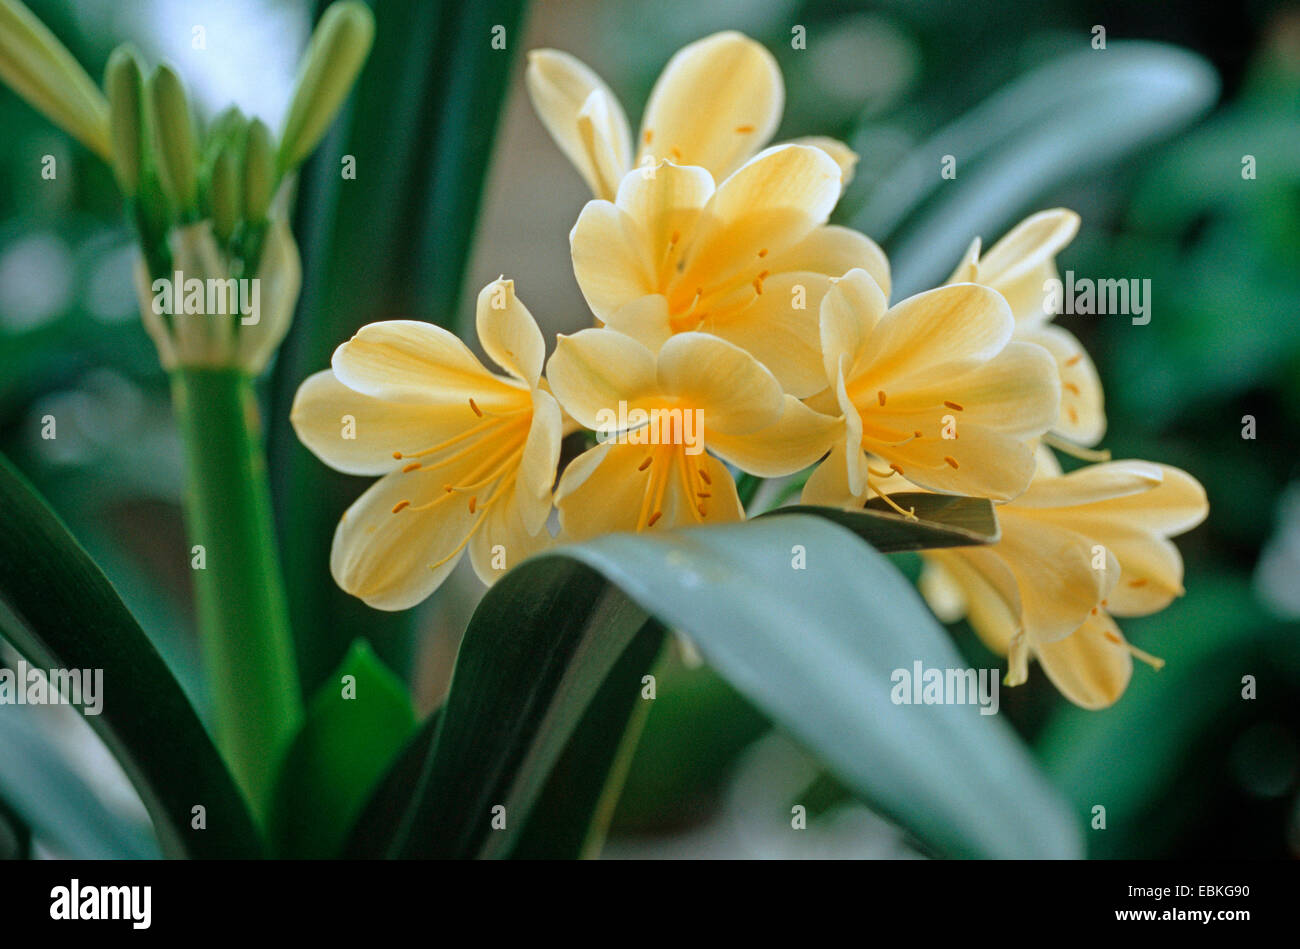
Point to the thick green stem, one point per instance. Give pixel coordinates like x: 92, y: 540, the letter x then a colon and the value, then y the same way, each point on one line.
x: 243, y: 615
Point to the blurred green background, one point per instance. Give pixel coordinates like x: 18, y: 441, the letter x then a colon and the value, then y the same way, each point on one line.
x: 1145, y: 142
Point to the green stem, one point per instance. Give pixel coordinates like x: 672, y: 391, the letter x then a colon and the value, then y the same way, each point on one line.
x: 243, y: 614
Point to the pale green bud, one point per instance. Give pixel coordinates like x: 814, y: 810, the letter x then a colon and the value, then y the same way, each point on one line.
x: 125, y: 86
x: 224, y: 197
x: 259, y: 171
x: 335, y: 55
x: 174, y: 140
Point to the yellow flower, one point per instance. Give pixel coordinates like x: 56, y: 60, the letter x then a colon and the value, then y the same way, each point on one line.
x: 468, y: 456
x: 1074, y: 549
x: 747, y: 261
x: 934, y: 387
x: 656, y: 414
x: 716, y: 103
x: 1019, y: 266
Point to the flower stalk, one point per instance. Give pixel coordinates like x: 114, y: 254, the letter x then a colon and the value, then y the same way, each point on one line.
x: 243, y: 612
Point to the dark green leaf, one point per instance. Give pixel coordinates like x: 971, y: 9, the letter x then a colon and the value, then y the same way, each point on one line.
x: 374, y: 829
x: 15, y: 836
x: 536, y: 651
x: 814, y: 648
x: 576, y: 807
x: 941, y: 521
x: 62, y: 612
x: 351, y: 733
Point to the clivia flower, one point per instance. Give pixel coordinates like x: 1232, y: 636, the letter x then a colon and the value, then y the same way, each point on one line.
x: 632, y: 483
x: 1074, y: 550
x: 933, y: 388
x: 748, y: 260
x: 716, y: 103
x: 467, y: 456
x: 1019, y: 267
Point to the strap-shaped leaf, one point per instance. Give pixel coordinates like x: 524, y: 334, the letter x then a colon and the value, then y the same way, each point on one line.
x: 62, y: 613
x: 816, y: 649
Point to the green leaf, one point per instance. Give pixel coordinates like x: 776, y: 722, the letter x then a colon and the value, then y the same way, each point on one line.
x: 393, y: 242
x: 814, y: 649
x: 537, y: 649
x: 62, y: 612
x: 15, y: 836
x: 391, y: 798
x: 46, y: 784
x: 575, y: 809
x: 353, y: 730
x: 941, y: 521
x: 1053, y: 124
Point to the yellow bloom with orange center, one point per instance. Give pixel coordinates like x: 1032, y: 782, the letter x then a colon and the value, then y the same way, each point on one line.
x: 747, y: 260
x: 1074, y: 549
x: 467, y: 456
x: 934, y: 388
x: 716, y: 103
x: 655, y: 415
x: 1019, y: 266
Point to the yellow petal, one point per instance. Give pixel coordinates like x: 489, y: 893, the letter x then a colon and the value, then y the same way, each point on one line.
x: 1151, y: 572
x: 1020, y: 263
x: 1090, y: 668
x: 665, y: 200
x: 989, y: 592
x: 1083, y: 417
x: 409, y: 361
x: 828, y: 486
x: 1083, y: 492
x: 1054, y: 569
x: 942, y: 593
x: 844, y: 156
x: 385, y: 558
x: 357, y: 434
x: 561, y: 87
x: 593, y: 370
x: 1014, y: 393
x: 645, y: 319
x: 834, y: 251
x: 600, y: 132
x: 610, y: 258
x: 990, y: 463
x: 795, y: 441
x: 944, y: 331
x: 504, y: 541
x: 715, y: 104
x: 735, y: 393
x: 508, y: 332
x: 541, y: 456
x: 849, y: 314
x: 780, y: 334
x: 604, y: 490
x: 768, y: 206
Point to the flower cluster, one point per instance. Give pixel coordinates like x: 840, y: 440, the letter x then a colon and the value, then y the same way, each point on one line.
x: 722, y: 294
